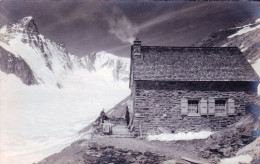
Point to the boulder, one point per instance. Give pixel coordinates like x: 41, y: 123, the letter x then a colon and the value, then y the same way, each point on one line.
x: 93, y: 146
x: 147, y: 153
x: 226, y: 151
x: 130, y: 158
x: 122, y: 150
x: 205, y: 154
x: 214, y: 147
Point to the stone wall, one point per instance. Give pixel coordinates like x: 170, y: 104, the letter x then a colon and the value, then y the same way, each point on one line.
x: 158, y: 104
x: 110, y: 154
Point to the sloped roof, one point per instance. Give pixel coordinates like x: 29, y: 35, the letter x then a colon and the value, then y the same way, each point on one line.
x: 192, y: 64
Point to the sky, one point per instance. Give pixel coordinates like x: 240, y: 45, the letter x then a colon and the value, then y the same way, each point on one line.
x: 92, y: 26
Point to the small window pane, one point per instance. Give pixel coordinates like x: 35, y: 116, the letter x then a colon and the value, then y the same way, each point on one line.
x: 220, y: 106
x: 193, y: 106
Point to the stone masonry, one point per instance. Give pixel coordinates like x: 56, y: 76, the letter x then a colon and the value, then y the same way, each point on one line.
x: 110, y: 154
x: 158, y: 104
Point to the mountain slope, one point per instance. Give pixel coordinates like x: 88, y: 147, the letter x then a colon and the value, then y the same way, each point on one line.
x: 16, y: 65
x: 102, y: 60
x: 246, y: 37
x: 50, y: 63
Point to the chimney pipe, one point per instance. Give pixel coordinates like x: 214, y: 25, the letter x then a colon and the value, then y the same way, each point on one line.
x: 137, y: 48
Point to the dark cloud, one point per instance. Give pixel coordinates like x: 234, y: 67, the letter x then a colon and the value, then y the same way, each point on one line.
x: 88, y: 26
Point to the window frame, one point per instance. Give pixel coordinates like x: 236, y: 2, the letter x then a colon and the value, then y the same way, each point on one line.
x: 198, y: 110
x: 225, y: 113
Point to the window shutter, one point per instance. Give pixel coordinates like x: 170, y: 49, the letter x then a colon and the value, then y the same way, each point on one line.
x: 203, y: 107
x: 184, y: 106
x: 231, y: 106
x: 211, y: 106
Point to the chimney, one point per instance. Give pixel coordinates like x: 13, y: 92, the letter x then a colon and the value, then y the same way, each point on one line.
x: 136, y: 50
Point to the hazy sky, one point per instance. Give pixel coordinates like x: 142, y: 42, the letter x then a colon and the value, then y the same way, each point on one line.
x: 88, y: 26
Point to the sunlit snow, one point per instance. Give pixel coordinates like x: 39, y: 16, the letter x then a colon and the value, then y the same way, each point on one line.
x: 36, y: 121
x: 180, y: 136
x: 256, y: 66
x: 247, y: 28
x: 39, y: 120
x: 245, y: 159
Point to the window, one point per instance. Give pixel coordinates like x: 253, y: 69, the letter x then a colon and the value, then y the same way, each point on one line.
x: 210, y: 106
x: 193, y: 106
x: 220, y: 106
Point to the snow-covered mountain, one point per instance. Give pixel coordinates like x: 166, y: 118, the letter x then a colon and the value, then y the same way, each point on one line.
x: 48, y: 94
x: 35, y: 59
x: 245, y: 35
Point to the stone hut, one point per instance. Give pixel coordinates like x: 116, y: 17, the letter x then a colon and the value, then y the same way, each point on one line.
x: 189, y: 88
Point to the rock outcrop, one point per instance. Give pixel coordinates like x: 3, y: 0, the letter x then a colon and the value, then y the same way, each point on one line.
x: 244, y: 35
x: 14, y: 65
x: 226, y: 143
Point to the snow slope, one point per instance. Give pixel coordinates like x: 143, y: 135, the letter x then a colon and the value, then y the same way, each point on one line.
x: 246, y: 37
x: 50, y: 62
x: 247, y: 28
x: 39, y: 120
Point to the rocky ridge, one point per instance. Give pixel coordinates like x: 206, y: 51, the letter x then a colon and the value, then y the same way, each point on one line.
x: 11, y: 64
x: 48, y: 61
x: 246, y: 36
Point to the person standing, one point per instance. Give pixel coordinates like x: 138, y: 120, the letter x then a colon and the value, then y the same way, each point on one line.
x: 127, y: 116
x: 131, y: 113
x: 103, y: 116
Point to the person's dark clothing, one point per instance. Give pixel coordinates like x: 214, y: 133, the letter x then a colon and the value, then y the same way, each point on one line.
x: 103, y: 117
x: 127, y: 117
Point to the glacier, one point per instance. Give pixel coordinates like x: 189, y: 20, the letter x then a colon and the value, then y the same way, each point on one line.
x: 43, y: 118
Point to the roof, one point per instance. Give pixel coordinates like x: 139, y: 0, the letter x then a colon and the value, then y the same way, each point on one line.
x: 192, y: 64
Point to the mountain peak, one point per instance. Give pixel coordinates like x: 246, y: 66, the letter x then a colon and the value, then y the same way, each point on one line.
x: 24, y: 21
x: 29, y: 24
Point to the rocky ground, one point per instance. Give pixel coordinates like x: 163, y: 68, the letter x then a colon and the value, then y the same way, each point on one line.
x: 226, y: 143
x: 125, y: 150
